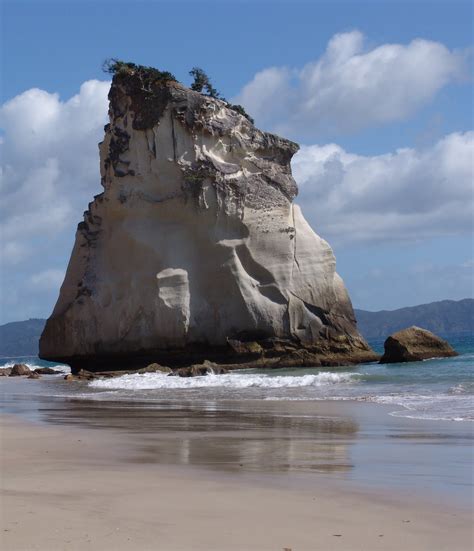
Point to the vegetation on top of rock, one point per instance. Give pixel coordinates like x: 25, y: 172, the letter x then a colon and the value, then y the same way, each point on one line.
x: 149, y: 75
x: 239, y: 109
x: 202, y: 84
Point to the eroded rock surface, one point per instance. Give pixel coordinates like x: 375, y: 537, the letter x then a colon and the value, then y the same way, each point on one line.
x: 195, y: 249
x: 415, y: 344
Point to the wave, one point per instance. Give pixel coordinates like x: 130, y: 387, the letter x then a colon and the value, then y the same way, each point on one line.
x: 435, y: 407
x: 150, y: 381
x: 462, y: 388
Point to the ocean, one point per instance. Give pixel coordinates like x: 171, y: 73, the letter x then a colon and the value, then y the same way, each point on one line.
x: 438, y: 389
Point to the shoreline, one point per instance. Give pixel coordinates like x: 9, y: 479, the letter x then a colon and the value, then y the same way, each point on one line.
x: 357, y: 442
x: 81, y: 488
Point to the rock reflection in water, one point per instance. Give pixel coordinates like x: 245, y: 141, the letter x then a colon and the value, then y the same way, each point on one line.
x: 250, y: 436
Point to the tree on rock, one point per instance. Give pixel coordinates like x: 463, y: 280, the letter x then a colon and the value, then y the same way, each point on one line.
x: 202, y: 83
x: 115, y: 66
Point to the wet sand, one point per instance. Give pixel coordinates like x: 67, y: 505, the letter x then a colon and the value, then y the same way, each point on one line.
x: 245, y: 475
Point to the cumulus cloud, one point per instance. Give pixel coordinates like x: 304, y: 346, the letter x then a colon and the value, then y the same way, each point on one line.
x: 406, y: 195
x: 49, y: 162
x: 49, y: 173
x: 351, y: 87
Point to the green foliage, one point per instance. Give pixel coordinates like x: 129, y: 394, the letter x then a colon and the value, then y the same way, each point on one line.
x: 149, y: 75
x: 202, y: 82
x: 241, y: 111
x: 200, y: 79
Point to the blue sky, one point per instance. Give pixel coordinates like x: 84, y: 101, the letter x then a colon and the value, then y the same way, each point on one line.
x: 378, y: 93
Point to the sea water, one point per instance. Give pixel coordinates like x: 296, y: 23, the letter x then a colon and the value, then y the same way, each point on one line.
x: 436, y: 389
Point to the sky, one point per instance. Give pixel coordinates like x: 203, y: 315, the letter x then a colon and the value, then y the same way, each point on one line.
x: 378, y: 94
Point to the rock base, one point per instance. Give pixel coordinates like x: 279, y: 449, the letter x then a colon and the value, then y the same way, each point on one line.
x: 237, y: 355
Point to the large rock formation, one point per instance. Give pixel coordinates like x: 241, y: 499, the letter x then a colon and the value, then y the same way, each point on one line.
x: 415, y: 344
x: 195, y: 247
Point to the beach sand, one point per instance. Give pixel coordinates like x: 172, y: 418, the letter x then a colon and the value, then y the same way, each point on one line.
x: 67, y: 488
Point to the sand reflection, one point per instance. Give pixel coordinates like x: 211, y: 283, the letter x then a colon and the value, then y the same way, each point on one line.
x: 249, y: 436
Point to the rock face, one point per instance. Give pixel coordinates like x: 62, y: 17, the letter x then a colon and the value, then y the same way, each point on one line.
x: 415, y: 344
x: 194, y: 243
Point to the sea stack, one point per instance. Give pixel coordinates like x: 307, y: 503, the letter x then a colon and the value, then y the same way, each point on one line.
x: 195, y: 250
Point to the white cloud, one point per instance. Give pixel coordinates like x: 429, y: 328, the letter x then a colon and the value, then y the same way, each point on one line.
x: 350, y: 87
x: 407, y: 195
x: 50, y: 166
x: 49, y: 173
x: 47, y: 279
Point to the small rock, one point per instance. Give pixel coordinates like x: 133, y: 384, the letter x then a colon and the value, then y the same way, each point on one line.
x: 206, y: 368
x: 47, y: 371
x: 33, y: 375
x: 415, y: 344
x: 219, y: 370
x: 19, y: 370
x: 5, y: 371
x: 154, y: 368
x: 183, y: 372
x: 198, y: 370
x: 87, y: 375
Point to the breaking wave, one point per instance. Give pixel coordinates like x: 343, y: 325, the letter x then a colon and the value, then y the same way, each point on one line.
x: 149, y: 381
x: 435, y: 407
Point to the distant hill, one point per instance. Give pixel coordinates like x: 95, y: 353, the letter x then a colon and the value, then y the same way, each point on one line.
x: 21, y: 338
x: 445, y: 317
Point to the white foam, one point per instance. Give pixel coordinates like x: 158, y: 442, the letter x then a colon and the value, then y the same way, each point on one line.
x: 149, y: 381
x: 436, y: 407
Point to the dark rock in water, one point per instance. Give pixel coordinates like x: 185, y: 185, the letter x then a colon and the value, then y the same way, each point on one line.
x: 415, y: 344
x: 85, y: 375
x: 33, y: 375
x: 19, y: 370
x: 47, y: 371
x: 195, y: 249
x: 197, y: 370
x: 155, y: 368
x: 183, y: 372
